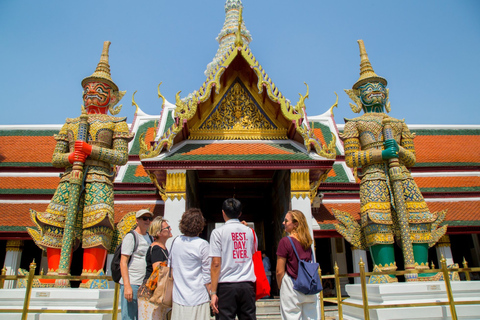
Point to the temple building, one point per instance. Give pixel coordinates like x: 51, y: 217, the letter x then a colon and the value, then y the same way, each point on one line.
x: 238, y: 136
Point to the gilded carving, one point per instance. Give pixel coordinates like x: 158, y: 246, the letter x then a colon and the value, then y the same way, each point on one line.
x: 238, y: 117
x: 300, y: 184
x: 14, y: 245
x: 176, y: 185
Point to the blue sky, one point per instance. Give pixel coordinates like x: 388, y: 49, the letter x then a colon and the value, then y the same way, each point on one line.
x: 428, y: 50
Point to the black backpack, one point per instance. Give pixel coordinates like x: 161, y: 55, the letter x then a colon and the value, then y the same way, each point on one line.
x: 115, y: 265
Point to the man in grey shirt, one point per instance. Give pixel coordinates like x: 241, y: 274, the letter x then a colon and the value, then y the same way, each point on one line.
x: 133, y: 272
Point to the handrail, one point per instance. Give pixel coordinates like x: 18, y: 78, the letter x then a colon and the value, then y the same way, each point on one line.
x: 366, y: 307
x: 31, y: 276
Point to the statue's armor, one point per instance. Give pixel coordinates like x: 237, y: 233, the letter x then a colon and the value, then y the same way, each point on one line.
x: 363, y: 141
x: 109, y: 137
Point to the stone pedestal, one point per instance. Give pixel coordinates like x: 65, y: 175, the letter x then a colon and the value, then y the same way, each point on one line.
x: 58, y: 299
x: 412, y: 293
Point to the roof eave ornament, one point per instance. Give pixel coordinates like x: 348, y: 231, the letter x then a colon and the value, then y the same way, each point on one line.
x: 238, y: 34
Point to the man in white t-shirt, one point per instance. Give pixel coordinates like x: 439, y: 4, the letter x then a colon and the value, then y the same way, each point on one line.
x: 233, y: 279
x: 133, y: 272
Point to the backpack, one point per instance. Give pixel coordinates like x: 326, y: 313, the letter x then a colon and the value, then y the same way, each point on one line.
x: 115, y: 265
x: 308, y: 280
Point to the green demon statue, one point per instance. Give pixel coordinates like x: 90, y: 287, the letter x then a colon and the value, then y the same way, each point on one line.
x: 392, y: 207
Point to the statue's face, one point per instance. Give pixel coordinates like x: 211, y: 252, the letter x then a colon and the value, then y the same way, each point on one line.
x: 373, y: 96
x: 97, y: 96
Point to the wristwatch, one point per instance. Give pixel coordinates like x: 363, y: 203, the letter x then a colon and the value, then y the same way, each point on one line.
x: 213, y: 292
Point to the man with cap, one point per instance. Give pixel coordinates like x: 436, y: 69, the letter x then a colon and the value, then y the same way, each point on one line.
x: 105, y: 148
x: 133, y: 272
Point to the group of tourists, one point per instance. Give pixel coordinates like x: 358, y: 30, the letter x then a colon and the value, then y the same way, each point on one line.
x: 211, y: 278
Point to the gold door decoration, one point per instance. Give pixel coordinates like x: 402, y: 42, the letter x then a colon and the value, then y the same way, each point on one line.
x: 237, y: 117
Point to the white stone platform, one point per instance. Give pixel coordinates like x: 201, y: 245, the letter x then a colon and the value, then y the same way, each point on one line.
x: 58, y: 299
x: 410, y: 293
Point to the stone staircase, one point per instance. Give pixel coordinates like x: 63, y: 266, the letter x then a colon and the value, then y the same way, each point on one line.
x: 270, y: 309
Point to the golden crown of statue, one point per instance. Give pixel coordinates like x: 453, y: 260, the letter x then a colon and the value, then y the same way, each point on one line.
x: 366, y: 71
x: 102, y: 73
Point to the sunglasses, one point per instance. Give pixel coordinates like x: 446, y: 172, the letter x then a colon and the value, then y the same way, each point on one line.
x: 167, y: 228
x: 146, y: 218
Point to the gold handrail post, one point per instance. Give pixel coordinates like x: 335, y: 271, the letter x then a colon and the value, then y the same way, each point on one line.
x: 2, y: 281
x: 339, y: 292
x: 465, y: 266
x: 115, y: 301
x: 322, y: 307
x: 363, y: 281
x: 28, y: 290
x: 446, y: 278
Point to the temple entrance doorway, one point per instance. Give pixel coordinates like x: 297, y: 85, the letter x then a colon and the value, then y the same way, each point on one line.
x: 264, y: 194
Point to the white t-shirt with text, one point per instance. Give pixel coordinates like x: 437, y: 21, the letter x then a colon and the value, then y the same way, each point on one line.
x: 234, y: 243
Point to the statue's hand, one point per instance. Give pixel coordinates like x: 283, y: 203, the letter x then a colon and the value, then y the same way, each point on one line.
x: 83, y: 147
x: 77, y: 156
x: 391, y: 149
x: 391, y: 143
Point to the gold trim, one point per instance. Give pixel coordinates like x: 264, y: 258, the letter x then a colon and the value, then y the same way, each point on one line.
x: 242, y: 134
x: 14, y: 245
x: 176, y: 185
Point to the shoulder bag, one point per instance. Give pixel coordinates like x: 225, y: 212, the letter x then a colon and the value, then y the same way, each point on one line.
x: 163, y: 292
x: 262, y: 287
x: 308, y: 280
x: 149, y: 285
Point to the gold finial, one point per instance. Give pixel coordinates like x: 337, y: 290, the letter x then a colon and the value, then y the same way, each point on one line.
x: 366, y: 71
x: 102, y: 73
x: 238, y: 39
x: 134, y: 104
x: 160, y: 96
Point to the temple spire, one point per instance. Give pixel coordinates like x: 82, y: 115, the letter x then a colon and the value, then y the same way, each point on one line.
x: 228, y: 35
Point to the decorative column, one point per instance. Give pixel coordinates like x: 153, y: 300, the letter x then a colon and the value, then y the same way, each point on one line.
x: 175, y: 203
x: 12, y: 261
x: 443, y: 248
x: 300, y: 195
x: 358, y: 254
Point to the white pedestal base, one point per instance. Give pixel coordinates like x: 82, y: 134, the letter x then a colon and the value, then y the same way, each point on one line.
x: 409, y: 293
x: 58, y: 299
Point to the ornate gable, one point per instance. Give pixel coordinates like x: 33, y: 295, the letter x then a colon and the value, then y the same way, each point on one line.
x: 219, y: 111
x: 237, y: 116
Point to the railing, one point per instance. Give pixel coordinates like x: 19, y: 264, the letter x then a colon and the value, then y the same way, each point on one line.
x: 31, y: 276
x: 337, y: 300
x: 366, y: 307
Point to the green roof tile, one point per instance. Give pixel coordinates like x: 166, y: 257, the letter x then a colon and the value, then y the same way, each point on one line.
x: 142, y: 129
x: 130, y: 175
x: 340, y: 174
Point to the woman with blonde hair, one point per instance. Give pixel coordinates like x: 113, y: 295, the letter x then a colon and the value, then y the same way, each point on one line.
x: 156, y: 254
x: 294, y: 304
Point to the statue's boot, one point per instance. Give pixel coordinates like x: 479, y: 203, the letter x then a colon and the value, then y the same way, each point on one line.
x: 93, y: 262
x: 383, y: 256
x: 53, y: 259
x: 420, y: 254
